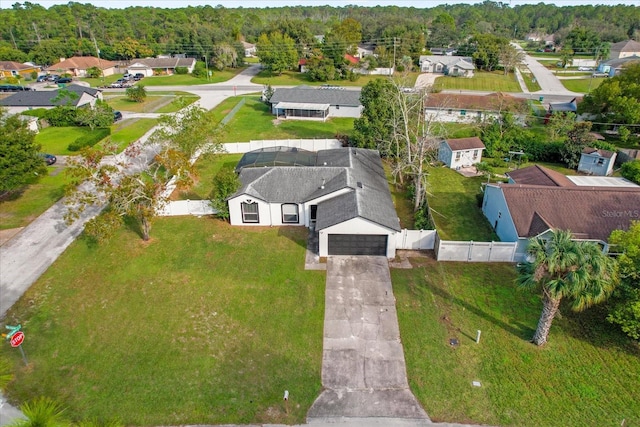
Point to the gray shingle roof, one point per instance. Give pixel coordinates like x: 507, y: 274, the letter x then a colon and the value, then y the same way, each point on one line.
x: 309, y: 95
x: 163, y: 62
x: 358, y: 171
x: 44, y: 98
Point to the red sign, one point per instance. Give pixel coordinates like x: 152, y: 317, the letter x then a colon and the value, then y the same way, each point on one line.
x: 17, y: 339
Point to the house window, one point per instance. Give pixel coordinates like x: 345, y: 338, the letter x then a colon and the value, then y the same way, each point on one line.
x: 475, y: 154
x: 600, y: 161
x: 290, y: 213
x: 250, y: 212
x: 458, y: 154
x: 463, y: 112
x: 449, y: 111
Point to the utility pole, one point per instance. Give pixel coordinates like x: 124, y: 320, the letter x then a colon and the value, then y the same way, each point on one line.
x: 206, y: 64
x: 394, y: 53
x: 99, y: 60
x: 13, y: 38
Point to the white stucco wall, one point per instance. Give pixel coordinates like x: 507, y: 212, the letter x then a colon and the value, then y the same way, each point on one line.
x: 357, y: 226
x: 235, y: 211
x: 343, y: 111
x: 495, y: 209
x: 589, y: 164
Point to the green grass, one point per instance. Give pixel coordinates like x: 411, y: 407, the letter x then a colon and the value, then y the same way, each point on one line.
x: 532, y: 86
x: 452, y: 200
x: 99, y: 82
x: 188, y: 79
x: 482, y: 81
x: 174, y: 105
x: 587, y: 374
x: 207, y: 167
x: 581, y: 85
x: 126, y: 132
x: 25, y: 206
x: 184, y: 331
x: 294, y: 78
x: 254, y: 121
x: 153, y: 103
x: 55, y: 140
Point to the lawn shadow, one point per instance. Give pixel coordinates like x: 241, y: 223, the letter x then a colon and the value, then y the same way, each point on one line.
x: 133, y: 225
x: 297, y: 235
x: 518, y: 329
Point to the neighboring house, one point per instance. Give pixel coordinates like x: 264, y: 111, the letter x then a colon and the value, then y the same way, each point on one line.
x: 448, y: 65
x: 563, y: 107
x: 596, y: 162
x: 365, y: 49
x: 535, y: 37
x: 28, y: 100
x: 549, y: 41
x: 13, y: 69
x: 157, y: 66
x: 304, y: 102
x: 78, y: 66
x: 624, y: 49
x: 614, y: 67
x: 463, y: 108
x: 341, y: 193
x: 461, y: 152
x: 249, y: 49
x: 542, y: 200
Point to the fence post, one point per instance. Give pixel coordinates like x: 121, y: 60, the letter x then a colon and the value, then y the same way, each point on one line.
x: 470, y: 252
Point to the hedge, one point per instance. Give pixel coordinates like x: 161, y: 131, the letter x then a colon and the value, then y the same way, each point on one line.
x: 90, y: 139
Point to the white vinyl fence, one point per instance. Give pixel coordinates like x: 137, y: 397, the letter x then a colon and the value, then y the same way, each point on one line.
x: 305, y: 144
x: 187, y: 207
x: 416, y: 239
x: 476, y: 251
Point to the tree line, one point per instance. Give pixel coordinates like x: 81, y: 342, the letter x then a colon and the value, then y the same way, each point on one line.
x: 32, y: 32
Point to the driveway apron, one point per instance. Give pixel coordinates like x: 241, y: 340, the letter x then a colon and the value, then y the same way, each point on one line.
x: 363, y: 367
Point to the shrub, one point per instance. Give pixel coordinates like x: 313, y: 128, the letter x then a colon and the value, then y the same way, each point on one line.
x: 631, y: 171
x: 182, y: 70
x: 40, y: 113
x: 422, y: 220
x: 90, y: 139
x: 200, y: 70
x: 61, y: 115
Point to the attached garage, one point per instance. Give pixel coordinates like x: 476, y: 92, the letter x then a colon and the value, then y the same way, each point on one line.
x: 357, y: 244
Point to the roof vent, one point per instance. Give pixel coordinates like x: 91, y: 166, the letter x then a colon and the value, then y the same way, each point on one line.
x: 322, y: 186
x: 359, y: 184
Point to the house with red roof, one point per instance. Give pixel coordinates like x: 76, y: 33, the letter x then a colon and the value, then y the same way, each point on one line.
x: 78, y: 66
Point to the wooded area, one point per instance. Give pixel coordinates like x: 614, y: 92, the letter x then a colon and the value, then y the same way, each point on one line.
x: 32, y: 32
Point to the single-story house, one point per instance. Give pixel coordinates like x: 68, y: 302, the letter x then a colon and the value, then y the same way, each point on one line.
x: 341, y: 193
x: 535, y: 37
x: 624, y: 49
x: 448, y: 65
x: 154, y: 66
x: 365, y: 49
x: 563, y: 107
x: 78, y: 66
x: 28, y: 100
x: 463, y: 108
x: 461, y: 152
x: 13, y: 69
x: 249, y: 49
x: 590, y: 207
x: 615, y: 66
x: 597, y: 162
x: 304, y: 102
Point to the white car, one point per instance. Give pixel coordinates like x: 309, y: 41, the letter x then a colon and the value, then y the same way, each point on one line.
x: 585, y: 69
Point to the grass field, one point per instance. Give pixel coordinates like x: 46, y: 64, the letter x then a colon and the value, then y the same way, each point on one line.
x: 99, y: 82
x: 23, y: 207
x: 532, y: 85
x: 186, y: 331
x: 255, y: 121
x: 188, y: 79
x: 55, y: 140
x: 294, y: 78
x: 125, y: 133
x: 452, y: 200
x: 587, y: 375
x: 153, y: 103
x: 482, y: 81
x: 582, y: 85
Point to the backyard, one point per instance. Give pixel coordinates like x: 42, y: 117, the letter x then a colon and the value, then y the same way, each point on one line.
x: 184, y: 332
x: 454, y: 207
x: 294, y: 78
x: 587, y: 374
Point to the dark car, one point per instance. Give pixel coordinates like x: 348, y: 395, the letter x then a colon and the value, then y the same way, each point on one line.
x: 138, y: 76
x: 52, y: 77
x: 41, y: 79
x: 117, y: 115
x: 64, y: 80
x: 49, y: 159
x: 13, y: 88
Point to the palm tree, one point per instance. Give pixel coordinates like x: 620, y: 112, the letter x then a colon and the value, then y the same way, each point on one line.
x: 563, y: 267
x: 42, y: 412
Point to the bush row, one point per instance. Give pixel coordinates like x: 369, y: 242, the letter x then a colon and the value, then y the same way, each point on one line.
x: 90, y: 139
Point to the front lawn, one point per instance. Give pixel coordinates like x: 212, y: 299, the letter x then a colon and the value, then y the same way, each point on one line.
x: 55, y: 140
x: 204, y: 324
x: 188, y: 79
x: 582, y: 85
x: 531, y: 83
x: 25, y: 206
x: 295, y: 78
x: 127, y: 132
x: 454, y: 207
x: 481, y: 81
x: 254, y: 121
x: 152, y: 103
x: 587, y: 375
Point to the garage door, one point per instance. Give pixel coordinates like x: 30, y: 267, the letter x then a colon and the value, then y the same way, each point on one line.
x: 357, y: 244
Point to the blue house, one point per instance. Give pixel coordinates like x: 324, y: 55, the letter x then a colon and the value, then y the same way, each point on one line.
x: 594, y: 161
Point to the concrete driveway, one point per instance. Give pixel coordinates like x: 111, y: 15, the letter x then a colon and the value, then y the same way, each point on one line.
x: 363, y: 368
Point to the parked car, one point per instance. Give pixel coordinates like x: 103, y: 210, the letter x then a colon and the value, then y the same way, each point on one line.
x: 138, y: 76
x: 42, y: 78
x: 116, y: 85
x: 127, y: 76
x: 52, y: 77
x: 600, y: 75
x: 585, y: 69
x: 117, y: 115
x: 49, y: 159
x: 13, y: 88
x: 64, y: 80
